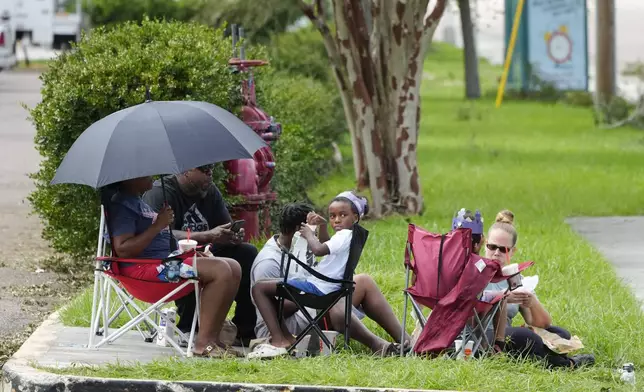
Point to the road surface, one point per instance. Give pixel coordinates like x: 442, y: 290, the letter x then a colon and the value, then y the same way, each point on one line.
x: 22, y: 289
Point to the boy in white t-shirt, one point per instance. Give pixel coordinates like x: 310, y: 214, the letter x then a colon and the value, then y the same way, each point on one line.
x: 344, y: 211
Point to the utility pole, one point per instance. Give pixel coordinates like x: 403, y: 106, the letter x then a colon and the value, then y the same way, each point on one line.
x: 605, y: 61
x: 472, y: 82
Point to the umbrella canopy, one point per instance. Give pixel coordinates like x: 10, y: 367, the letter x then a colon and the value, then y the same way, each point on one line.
x: 156, y: 137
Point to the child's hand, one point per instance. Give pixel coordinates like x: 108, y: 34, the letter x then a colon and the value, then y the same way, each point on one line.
x: 306, y: 232
x: 314, y: 219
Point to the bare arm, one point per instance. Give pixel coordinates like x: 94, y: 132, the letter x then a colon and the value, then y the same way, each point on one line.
x: 535, y: 314
x: 130, y: 245
x: 317, y: 220
x: 318, y: 248
x: 323, y: 233
x: 500, y: 322
x: 202, y: 237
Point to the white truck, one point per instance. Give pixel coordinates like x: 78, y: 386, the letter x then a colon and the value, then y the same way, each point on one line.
x: 46, y: 23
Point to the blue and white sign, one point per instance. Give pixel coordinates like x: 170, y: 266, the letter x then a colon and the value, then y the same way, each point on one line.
x: 557, y: 42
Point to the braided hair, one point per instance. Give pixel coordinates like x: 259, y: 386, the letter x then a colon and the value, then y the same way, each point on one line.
x: 292, y: 216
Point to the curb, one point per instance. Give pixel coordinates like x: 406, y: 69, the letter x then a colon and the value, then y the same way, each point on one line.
x: 19, y: 375
x: 24, y: 378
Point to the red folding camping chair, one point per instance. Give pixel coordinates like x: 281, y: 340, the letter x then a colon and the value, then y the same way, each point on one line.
x: 108, y: 280
x: 449, y: 279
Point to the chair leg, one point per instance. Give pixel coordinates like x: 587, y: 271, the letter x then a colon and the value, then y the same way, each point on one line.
x: 419, y: 313
x: 194, y: 322
x: 313, y: 323
x: 106, y: 311
x: 404, y: 326
x: 347, y: 319
x: 95, y: 316
x: 280, y: 309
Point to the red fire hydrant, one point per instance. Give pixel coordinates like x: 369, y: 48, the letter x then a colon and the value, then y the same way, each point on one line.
x: 250, y: 178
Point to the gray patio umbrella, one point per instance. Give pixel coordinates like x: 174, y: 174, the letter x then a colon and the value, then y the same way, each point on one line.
x: 164, y: 137
x: 156, y: 137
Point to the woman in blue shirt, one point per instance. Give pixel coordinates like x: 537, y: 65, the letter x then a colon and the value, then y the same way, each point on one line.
x: 139, y: 232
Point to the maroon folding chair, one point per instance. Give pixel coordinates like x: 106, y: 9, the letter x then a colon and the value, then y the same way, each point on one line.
x: 449, y: 279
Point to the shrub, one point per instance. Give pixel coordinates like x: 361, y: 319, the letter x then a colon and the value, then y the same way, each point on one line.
x: 312, y: 118
x: 111, y: 12
x: 301, y: 52
x: 109, y: 71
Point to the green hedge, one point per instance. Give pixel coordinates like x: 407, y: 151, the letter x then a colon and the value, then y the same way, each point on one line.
x: 111, y: 12
x: 312, y: 117
x: 110, y: 70
x: 301, y: 52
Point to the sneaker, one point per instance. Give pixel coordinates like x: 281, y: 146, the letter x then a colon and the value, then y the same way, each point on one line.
x: 267, y: 351
x: 582, y: 360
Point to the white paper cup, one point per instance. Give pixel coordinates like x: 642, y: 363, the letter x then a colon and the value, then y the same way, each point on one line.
x: 186, y: 245
x: 333, y: 338
x: 458, y: 343
x: 510, y: 270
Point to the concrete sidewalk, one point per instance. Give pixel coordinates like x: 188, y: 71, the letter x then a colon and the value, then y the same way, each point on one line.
x: 54, y: 345
x: 619, y: 239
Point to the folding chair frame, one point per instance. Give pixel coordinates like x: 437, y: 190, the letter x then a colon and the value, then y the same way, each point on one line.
x: 104, y: 285
x: 477, y: 331
x: 345, y: 291
x: 323, y: 303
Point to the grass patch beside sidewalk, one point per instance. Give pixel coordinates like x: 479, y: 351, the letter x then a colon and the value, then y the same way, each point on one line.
x: 545, y: 163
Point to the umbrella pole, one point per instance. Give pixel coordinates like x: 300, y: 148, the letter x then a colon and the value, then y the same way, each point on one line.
x: 165, y: 199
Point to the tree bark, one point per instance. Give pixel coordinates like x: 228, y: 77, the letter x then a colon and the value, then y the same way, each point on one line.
x: 378, y: 56
x: 472, y: 82
x: 338, y: 64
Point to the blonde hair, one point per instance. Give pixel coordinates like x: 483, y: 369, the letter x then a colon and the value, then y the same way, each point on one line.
x: 505, y: 221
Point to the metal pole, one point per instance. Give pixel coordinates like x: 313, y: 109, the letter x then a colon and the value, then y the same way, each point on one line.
x: 173, y: 246
x: 242, y: 49
x: 233, y: 32
x: 510, y: 53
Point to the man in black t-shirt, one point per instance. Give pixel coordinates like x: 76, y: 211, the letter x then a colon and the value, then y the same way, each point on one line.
x: 199, y: 206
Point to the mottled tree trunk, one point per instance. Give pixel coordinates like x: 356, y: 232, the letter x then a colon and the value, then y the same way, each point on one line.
x: 377, y: 55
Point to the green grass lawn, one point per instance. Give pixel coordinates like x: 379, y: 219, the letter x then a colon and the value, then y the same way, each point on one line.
x: 545, y: 163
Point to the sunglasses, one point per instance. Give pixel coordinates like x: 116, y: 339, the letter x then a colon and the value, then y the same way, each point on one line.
x: 502, y: 249
x: 205, y: 169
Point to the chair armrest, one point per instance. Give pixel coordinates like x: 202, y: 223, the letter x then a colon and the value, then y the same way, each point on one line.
x: 314, y: 272
x: 132, y: 261
x: 141, y: 260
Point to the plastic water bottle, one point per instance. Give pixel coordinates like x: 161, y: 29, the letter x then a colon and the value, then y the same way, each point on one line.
x: 628, y: 373
x: 165, y: 333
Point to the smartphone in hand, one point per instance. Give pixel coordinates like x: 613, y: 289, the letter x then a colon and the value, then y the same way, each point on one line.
x: 237, y: 225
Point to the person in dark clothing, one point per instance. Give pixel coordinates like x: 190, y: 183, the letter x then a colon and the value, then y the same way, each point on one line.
x: 199, y: 207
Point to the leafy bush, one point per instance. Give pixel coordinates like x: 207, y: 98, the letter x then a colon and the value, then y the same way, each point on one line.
x: 260, y: 20
x: 109, y: 71
x: 301, y: 52
x: 312, y: 117
x: 110, y: 12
